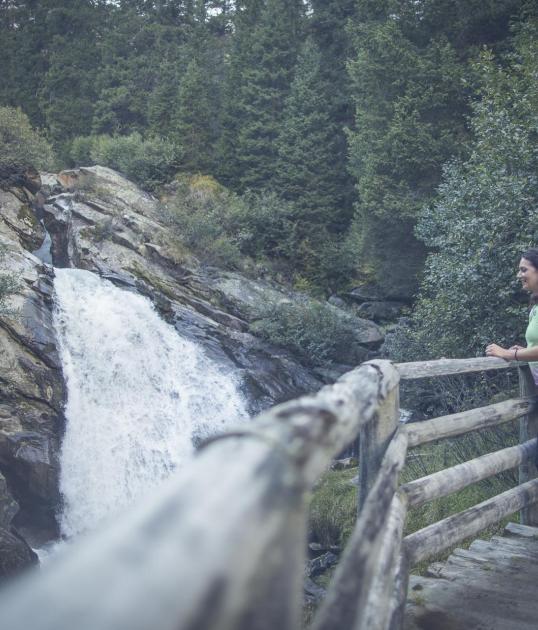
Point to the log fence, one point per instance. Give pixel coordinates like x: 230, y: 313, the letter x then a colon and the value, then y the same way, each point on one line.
x: 221, y: 546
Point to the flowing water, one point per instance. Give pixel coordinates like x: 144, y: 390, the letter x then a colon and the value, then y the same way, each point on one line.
x: 138, y: 394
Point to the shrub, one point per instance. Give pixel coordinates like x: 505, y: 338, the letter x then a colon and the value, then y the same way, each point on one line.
x: 200, y: 214
x: 80, y: 150
x: 333, y: 508
x: 265, y: 225
x: 21, y: 146
x: 484, y: 217
x: 259, y: 227
x: 317, y: 332
x: 150, y: 162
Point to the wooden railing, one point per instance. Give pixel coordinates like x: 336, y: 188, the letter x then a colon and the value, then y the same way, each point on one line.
x: 222, y: 545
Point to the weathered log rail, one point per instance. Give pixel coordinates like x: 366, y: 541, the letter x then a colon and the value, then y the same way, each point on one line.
x: 222, y: 545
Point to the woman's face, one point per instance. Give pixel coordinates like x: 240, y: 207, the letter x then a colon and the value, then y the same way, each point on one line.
x: 528, y: 274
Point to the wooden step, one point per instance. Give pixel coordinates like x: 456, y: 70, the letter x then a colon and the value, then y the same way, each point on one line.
x: 490, y: 586
x: 523, y: 531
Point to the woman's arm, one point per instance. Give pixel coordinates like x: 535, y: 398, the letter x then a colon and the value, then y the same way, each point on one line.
x: 515, y: 353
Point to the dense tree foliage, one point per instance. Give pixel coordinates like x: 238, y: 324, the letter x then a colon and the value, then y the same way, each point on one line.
x: 485, y: 216
x: 411, y: 88
x: 336, y: 116
x: 21, y: 146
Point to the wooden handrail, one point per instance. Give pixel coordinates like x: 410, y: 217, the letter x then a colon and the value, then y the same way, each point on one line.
x: 222, y: 545
x: 459, y: 423
x: 358, y: 567
x: 447, y: 367
x: 449, y: 480
x: 440, y: 536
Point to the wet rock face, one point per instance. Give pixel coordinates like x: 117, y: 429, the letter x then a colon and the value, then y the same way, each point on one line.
x: 105, y: 224
x: 31, y: 387
x: 100, y: 222
x: 15, y: 555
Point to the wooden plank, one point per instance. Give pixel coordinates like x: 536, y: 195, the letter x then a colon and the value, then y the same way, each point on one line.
x: 374, y: 440
x: 528, y: 429
x: 525, y: 531
x: 377, y: 612
x: 459, y: 423
x: 488, y: 558
x: 491, y: 585
x: 452, y: 604
x: 399, y: 595
x: 445, y: 367
x: 445, y: 482
x: 436, y: 538
x: 348, y: 591
x: 200, y: 554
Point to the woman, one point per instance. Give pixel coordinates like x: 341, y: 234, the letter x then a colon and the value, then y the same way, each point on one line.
x: 528, y: 274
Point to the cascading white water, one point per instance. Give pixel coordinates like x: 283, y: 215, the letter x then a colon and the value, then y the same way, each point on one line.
x: 137, y: 395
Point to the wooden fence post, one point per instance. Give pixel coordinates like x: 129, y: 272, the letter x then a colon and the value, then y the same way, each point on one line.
x: 376, y: 434
x: 528, y: 429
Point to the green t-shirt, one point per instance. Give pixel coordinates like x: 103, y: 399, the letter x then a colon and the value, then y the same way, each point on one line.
x: 531, y: 335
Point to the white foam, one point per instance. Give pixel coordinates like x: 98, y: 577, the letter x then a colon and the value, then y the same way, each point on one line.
x: 137, y: 395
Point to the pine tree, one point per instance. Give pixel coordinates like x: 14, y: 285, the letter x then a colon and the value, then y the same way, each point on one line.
x: 408, y: 76
x: 329, y: 26
x: 305, y: 144
x: 67, y: 90
x: 267, y: 76
x: 244, y: 20
x: 193, y: 120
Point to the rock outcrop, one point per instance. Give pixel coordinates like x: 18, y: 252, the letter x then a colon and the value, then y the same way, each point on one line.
x: 31, y: 388
x: 103, y: 223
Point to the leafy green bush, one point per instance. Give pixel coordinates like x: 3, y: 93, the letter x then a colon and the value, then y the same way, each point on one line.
x: 80, y: 150
x: 224, y: 228
x: 484, y: 218
x: 150, y: 162
x: 200, y: 213
x: 315, y: 331
x: 265, y: 225
x: 21, y: 146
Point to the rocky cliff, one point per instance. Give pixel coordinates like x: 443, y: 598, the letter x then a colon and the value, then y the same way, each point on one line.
x: 103, y: 223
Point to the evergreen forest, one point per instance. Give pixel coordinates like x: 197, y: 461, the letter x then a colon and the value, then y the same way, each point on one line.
x: 391, y: 143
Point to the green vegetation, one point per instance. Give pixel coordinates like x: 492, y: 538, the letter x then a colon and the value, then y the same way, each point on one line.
x: 148, y: 161
x: 21, y: 146
x: 343, y: 112
x: 391, y: 141
x: 316, y: 332
x: 333, y: 508
x: 254, y: 230
x: 484, y: 217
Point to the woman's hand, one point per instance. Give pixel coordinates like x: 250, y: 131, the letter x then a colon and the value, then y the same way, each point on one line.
x: 493, y: 350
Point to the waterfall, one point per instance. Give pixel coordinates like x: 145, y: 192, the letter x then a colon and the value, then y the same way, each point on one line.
x: 137, y: 395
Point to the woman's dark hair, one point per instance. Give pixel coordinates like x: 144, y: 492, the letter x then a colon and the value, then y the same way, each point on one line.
x: 532, y: 256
